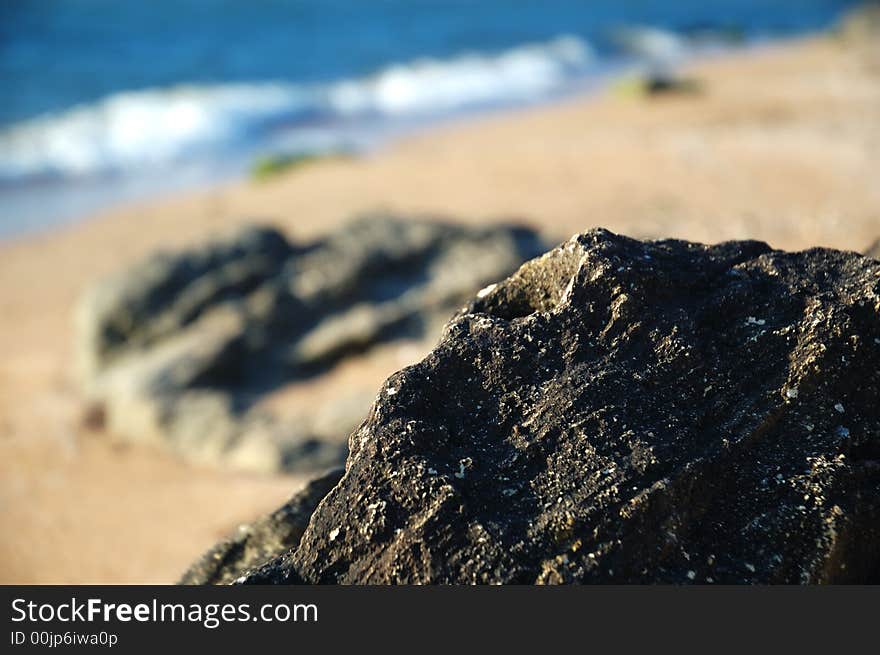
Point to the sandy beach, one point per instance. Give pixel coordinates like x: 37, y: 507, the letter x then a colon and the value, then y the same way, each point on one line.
x: 780, y: 144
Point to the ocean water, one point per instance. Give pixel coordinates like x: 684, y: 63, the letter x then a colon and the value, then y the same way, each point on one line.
x: 107, y: 100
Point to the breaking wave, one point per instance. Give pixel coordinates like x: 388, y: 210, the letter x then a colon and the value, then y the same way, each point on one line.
x: 134, y: 129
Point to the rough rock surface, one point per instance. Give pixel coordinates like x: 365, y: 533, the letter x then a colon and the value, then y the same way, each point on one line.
x: 625, y: 412
x: 270, y: 536
x: 180, y: 348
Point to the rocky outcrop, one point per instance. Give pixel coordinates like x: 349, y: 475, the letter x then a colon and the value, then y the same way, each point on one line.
x: 180, y: 349
x: 625, y: 412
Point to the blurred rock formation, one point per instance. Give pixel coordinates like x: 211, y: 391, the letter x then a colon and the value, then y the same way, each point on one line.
x: 179, y: 349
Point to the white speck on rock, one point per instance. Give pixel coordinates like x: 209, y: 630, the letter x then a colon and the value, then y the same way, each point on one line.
x: 333, y: 534
x: 791, y: 393
x: 391, y: 390
x: 485, y: 291
x: 750, y: 567
x: 692, y: 575
x: 839, y: 408
x: 751, y: 320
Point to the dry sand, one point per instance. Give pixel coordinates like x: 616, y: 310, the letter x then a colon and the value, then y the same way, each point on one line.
x: 782, y: 145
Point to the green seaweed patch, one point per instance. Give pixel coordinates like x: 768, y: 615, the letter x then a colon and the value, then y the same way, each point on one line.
x: 642, y: 87
x: 269, y: 166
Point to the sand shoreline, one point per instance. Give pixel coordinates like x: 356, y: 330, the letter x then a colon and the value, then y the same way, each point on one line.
x: 780, y: 146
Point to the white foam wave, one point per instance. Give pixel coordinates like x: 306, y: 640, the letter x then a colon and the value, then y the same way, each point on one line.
x: 158, y: 126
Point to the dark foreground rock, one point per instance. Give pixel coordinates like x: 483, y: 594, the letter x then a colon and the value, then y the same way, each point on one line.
x: 180, y: 349
x: 625, y: 412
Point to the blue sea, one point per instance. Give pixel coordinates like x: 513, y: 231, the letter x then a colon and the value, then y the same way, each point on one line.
x: 109, y: 100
